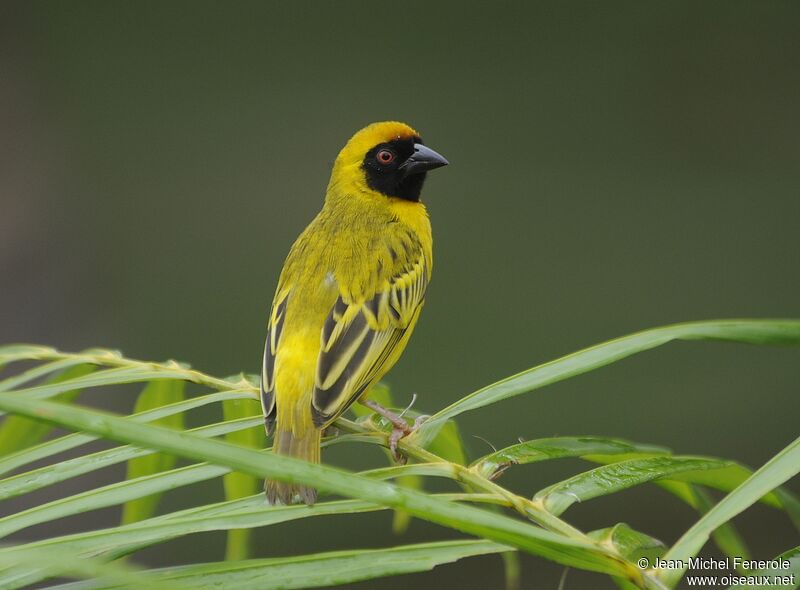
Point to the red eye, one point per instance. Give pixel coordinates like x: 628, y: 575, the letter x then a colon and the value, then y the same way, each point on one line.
x: 385, y: 156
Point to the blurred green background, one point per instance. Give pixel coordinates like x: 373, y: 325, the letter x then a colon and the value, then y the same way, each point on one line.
x: 614, y: 166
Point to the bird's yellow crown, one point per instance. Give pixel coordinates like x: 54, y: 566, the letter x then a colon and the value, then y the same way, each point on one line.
x: 370, y: 136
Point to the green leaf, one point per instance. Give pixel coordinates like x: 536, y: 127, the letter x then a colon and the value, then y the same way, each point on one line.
x: 726, y: 537
x: 781, y: 577
x: 59, y: 366
x: 110, y: 495
x: 124, y: 370
x: 615, y: 477
x: 727, y: 479
x: 448, y: 444
x: 543, y: 449
x: 321, y: 569
x: 329, y: 569
x: 575, y: 552
x: 20, y: 433
x: 54, y: 562
x: 10, y: 353
x: 68, y: 468
x: 156, y: 394
x: 65, y: 443
x: 623, y: 584
x: 630, y: 543
x: 779, y: 469
x: 245, y: 513
x: 400, y: 518
x: 106, y: 377
x: 724, y: 479
x: 114, y: 494
x: 240, y: 485
x: 779, y: 332
x: 790, y: 504
x: 511, y: 570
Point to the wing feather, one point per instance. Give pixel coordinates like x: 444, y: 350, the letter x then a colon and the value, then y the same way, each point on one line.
x: 359, y: 340
x: 268, y: 366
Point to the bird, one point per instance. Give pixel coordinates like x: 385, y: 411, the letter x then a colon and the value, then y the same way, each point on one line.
x: 349, y: 295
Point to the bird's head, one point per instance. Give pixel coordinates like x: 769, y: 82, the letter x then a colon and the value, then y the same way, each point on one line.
x: 387, y: 158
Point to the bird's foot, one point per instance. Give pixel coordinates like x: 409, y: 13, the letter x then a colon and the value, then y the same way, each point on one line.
x: 400, y: 427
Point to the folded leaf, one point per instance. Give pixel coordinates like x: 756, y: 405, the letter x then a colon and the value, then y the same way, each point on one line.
x: 615, y: 477
x: 543, y: 449
x: 630, y: 543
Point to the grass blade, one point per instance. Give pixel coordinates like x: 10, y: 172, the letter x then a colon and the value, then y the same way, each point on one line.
x: 130, y: 490
x: 321, y: 569
x: 116, y: 493
x: 113, y: 358
x: 726, y: 537
x: 158, y: 393
x: 245, y: 513
x: 10, y: 353
x: 777, y: 332
x: 615, y: 477
x: 724, y: 479
x: 629, y: 542
x: 576, y: 552
x: 542, y: 449
x: 60, y: 366
x: 778, y: 578
x: 71, y: 441
x: 241, y: 485
x: 774, y: 473
x: 17, y: 432
x: 52, y: 474
x: 55, y: 562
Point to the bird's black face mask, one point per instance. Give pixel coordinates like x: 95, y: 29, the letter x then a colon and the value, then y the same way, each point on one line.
x: 398, y: 168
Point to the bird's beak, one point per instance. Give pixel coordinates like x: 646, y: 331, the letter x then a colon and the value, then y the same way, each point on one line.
x: 422, y: 160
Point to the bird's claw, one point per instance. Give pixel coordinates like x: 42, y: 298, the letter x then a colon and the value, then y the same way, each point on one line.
x: 394, y: 439
x: 400, y: 428
x: 399, y: 434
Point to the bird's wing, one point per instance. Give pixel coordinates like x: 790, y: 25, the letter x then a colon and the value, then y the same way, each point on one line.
x: 268, y: 366
x: 361, y: 340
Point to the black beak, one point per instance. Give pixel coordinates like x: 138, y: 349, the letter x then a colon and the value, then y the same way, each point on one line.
x: 422, y: 160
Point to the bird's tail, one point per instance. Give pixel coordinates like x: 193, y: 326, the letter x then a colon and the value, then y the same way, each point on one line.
x: 304, y: 446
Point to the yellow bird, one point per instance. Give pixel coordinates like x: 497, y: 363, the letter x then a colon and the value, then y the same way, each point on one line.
x: 350, y: 292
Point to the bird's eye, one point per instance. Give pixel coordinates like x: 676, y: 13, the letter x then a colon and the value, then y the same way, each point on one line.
x: 385, y: 156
